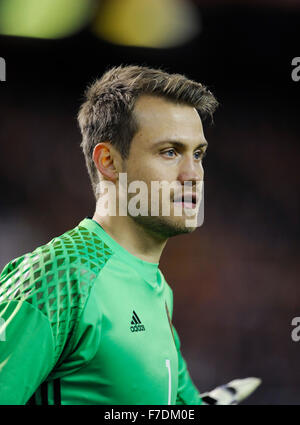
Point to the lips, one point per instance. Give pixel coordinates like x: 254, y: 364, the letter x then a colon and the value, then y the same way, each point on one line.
x: 186, y: 201
x: 186, y: 198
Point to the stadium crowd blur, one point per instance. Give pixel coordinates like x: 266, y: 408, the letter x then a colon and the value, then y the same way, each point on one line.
x: 235, y: 279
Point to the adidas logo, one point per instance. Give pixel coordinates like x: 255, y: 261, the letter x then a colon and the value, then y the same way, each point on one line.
x: 136, y: 323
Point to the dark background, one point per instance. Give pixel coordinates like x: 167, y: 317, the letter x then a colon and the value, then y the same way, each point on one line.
x: 235, y: 279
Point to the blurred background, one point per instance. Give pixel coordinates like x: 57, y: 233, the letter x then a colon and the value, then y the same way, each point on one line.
x: 235, y: 279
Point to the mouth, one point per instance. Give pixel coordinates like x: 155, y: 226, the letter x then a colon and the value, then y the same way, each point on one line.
x: 188, y: 200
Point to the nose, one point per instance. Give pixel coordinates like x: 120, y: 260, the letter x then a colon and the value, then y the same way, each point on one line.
x: 190, y: 170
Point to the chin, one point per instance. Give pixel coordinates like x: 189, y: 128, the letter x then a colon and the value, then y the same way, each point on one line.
x: 165, y: 227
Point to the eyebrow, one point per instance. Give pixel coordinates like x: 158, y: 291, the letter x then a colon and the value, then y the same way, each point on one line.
x: 179, y: 144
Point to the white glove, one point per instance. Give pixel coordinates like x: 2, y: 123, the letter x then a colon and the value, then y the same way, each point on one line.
x: 232, y: 393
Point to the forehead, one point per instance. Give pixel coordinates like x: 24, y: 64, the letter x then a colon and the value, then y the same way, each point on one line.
x: 160, y: 118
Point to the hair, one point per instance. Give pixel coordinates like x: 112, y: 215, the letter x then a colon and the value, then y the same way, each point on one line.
x: 107, y: 111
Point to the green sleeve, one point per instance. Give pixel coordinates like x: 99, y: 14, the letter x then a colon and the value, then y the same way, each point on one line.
x: 42, y: 295
x: 187, y: 392
x: 26, y: 351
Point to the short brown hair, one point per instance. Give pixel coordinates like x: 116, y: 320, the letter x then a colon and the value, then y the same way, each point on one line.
x: 106, y: 114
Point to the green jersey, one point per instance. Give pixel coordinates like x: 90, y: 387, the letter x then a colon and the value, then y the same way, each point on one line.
x: 83, y: 321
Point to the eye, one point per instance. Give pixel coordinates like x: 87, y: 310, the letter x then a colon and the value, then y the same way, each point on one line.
x: 199, y: 155
x: 170, y: 153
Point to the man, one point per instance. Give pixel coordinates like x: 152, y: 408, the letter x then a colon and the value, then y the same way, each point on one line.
x: 86, y: 319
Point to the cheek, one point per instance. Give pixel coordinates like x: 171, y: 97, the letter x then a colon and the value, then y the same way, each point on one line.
x: 144, y: 170
x: 149, y: 168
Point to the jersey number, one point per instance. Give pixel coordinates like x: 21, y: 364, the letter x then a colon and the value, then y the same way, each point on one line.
x: 168, y: 366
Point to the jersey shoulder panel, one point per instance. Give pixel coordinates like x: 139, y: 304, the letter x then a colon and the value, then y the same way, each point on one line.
x: 56, y: 278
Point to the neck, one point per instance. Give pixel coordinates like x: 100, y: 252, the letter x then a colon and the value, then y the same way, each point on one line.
x: 133, y: 237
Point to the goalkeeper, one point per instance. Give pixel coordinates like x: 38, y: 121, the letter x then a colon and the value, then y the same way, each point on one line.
x: 87, y: 318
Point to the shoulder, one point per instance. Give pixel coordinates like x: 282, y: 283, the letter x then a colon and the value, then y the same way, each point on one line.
x: 70, y: 262
x: 56, y: 278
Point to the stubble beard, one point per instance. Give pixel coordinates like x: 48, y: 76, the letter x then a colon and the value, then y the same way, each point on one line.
x: 162, y: 227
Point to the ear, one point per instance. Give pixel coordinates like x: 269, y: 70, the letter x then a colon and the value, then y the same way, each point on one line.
x: 104, y: 160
